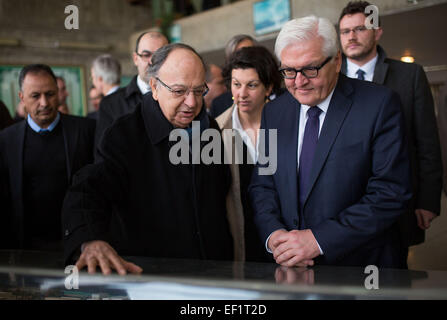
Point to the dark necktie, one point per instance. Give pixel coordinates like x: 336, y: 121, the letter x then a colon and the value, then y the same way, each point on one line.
x: 360, y: 74
x: 309, y: 146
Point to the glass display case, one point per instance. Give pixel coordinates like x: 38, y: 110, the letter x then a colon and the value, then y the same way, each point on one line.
x: 43, y: 276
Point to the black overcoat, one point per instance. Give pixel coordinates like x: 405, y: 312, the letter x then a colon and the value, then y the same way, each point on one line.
x: 134, y: 198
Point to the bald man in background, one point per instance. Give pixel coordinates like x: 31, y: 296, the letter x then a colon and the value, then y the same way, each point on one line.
x: 126, y: 99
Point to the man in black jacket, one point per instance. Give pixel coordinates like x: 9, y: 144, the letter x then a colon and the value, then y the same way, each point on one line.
x: 38, y: 157
x: 126, y: 99
x: 366, y: 60
x: 165, y: 209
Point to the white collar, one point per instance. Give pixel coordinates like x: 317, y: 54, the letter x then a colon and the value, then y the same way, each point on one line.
x: 37, y: 128
x: 143, y: 86
x: 236, y: 125
x: 324, y: 105
x: 115, y: 88
x: 368, y: 67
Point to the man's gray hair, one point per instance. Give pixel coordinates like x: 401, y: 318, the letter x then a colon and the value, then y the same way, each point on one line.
x: 308, y: 28
x: 235, y: 41
x: 160, y: 56
x: 108, y: 68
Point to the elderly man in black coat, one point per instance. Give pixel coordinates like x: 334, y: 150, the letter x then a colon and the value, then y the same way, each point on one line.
x: 163, y: 209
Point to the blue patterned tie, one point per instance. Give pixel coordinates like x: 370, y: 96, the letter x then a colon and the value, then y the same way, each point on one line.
x: 310, y: 140
x: 360, y: 74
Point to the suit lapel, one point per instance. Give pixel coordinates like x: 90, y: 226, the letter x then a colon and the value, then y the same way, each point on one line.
x: 380, y: 72
x: 287, y: 146
x: 70, y: 140
x: 338, y: 109
x: 381, y: 68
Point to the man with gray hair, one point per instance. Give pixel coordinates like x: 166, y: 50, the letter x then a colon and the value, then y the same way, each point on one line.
x: 343, y: 176
x: 106, y: 74
x: 164, y: 209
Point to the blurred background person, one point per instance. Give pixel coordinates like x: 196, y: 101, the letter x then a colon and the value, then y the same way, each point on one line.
x: 95, y: 98
x: 106, y: 74
x: 224, y: 101
x: 216, y: 84
x: 5, y: 117
x: 62, y: 95
x: 252, y: 74
x: 20, y: 112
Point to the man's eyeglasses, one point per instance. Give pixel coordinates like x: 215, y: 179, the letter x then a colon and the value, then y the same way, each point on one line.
x: 181, y: 91
x: 146, y: 56
x: 308, y: 72
x: 357, y: 30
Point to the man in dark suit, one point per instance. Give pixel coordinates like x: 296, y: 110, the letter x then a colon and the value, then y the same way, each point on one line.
x: 366, y: 60
x: 165, y: 209
x: 38, y: 157
x: 126, y: 99
x: 342, y: 177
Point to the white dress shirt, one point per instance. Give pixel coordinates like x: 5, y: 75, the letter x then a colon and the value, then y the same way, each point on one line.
x: 252, y: 149
x: 114, y: 89
x: 368, y: 67
x: 143, y: 86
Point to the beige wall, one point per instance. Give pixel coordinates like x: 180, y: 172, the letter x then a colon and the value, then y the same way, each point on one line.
x: 211, y: 30
x: 38, y: 26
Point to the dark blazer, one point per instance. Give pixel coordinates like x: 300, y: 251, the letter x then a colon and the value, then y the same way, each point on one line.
x: 93, y: 115
x: 410, y: 82
x: 162, y: 209
x: 359, y: 183
x: 78, y: 137
x: 5, y: 117
x: 221, y: 103
x: 113, y: 106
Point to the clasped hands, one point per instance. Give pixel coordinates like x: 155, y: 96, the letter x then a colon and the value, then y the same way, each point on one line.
x: 296, y: 248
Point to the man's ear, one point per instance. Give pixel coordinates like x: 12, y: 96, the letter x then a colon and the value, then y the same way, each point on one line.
x: 378, y: 34
x: 338, y: 61
x: 22, y: 96
x: 135, y: 57
x: 152, y: 83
